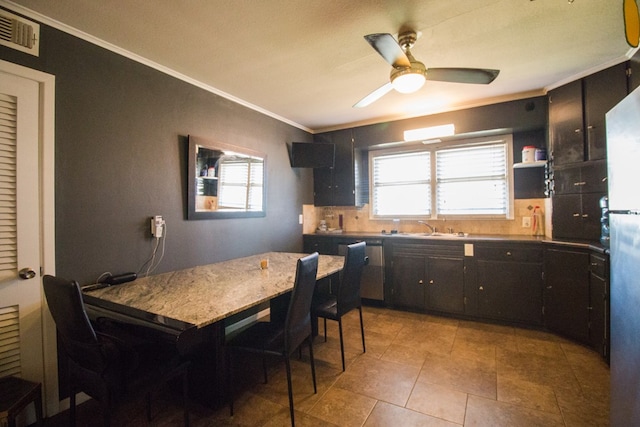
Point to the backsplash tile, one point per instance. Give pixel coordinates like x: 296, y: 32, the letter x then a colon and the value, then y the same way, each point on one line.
x: 357, y: 219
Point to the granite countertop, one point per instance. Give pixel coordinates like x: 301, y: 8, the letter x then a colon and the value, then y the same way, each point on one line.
x: 592, y: 245
x: 206, y: 294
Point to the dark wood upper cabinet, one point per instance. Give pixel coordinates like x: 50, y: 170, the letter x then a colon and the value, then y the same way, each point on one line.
x: 577, y: 114
x: 338, y: 186
x: 602, y: 91
x: 566, y: 123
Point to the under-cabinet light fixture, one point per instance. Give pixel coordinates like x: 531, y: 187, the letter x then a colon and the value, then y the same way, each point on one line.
x: 429, y: 133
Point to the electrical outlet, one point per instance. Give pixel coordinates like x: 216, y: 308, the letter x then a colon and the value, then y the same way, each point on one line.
x: 157, y: 226
x: 526, y: 222
x: 300, y: 221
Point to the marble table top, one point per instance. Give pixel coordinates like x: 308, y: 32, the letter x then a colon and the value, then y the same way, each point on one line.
x: 206, y: 294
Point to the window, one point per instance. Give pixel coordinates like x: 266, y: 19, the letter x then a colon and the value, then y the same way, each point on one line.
x: 240, y: 184
x: 470, y: 178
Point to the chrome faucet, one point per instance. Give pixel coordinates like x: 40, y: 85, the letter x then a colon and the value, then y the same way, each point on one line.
x: 433, y: 230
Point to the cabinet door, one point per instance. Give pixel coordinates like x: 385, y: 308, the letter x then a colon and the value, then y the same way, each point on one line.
x: 576, y: 216
x: 408, y: 281
x: 343, y: 172
x: 586, y: 177
x: 322, y: 245
x: 566, y: 123
x: 566, y: 293
x: 510, y: 291
x: 445, y: 284
x: 597, y: 313
x: 602, y: 91
x: 566, y: 216
x: 322, y: 187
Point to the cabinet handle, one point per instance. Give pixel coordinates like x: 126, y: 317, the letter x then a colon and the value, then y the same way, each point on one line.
x: 431, y: 282
x: 605, y: 179
x: 508, y: 253
x: 420, y: 282
x: 576, y: 215
x: 578, y: 130
x: 585, y: 215
x: 481, y: 288
x: 590, y: 127
x: 549, y: 287
x: 579, y: 183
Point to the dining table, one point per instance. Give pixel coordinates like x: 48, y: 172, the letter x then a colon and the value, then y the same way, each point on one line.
x: 192, y: 307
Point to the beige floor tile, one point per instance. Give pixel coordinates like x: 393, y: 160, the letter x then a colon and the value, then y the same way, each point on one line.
x: 405, y: 354
x: 387, y: 381
x: 343, y: 407
x: 490, y: 413
x: 466, y: 375
x: 438, y: 401
x: 386, y: 414
x: 527, y: 394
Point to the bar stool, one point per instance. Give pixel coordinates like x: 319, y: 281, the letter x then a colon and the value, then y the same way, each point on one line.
x: 15, y: 395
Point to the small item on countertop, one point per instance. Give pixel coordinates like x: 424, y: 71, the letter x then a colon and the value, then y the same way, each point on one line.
x: 323, y: 225
x: 537, y: 226
x: 264, y: 264
x: 540, y: 154
x: 340, y: 221
x: 528, y: 154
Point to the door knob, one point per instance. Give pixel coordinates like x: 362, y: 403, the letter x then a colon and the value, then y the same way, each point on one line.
x: 27, y: 273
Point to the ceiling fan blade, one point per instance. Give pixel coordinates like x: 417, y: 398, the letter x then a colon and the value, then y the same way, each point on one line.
x: 374, y: 96
x: 462, y: 75
x: 389, y: 49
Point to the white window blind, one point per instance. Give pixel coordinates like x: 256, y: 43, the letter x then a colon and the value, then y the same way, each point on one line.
x: 463, y: 178
x: 8, y: 219
x: 10, y: 358
x: 240, y: 186
x: 401, y: 184
x: 472, y: 180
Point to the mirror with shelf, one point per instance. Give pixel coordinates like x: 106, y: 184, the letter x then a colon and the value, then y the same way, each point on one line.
x: 225, y: 181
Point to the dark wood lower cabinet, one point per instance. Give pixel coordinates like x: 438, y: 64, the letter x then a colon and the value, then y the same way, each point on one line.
x: 566, y: 294
x: 510, y: 291
x: 427, y: 277
x: 510, y: 282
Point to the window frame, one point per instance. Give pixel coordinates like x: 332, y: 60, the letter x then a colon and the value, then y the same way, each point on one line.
x: 433, y: 148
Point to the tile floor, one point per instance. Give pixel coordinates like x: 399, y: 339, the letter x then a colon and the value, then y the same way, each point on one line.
x: 419, y: 370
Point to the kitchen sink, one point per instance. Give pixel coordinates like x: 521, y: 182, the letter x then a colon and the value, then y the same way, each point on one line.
x: 434, y: 234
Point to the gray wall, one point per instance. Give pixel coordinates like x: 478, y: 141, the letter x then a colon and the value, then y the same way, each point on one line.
x: 120, y: 158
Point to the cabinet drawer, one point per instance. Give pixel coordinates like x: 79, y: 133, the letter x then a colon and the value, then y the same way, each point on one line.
x: 504, y: 253
x: 598, y: 265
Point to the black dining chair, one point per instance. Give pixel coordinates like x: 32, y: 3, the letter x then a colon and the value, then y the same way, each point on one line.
x: 281, y: 339
x: 347, y: 295
x: 111, y: 369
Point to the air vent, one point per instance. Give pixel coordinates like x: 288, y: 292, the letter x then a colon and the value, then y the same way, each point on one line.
x: 19, y: 33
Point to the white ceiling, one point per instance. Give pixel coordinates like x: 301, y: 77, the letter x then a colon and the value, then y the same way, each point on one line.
x: 306, y: 61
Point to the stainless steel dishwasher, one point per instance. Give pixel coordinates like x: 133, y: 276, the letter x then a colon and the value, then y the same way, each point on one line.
x: 372, y: 283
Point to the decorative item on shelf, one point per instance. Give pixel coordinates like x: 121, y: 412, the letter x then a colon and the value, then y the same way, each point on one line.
x: 528, y: 154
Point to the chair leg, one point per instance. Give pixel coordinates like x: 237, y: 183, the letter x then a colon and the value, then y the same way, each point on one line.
x: 288, y: 366
x: 185, y: 397
x: 149, y: 406
x: 313, y: 365
x: 264, y: 367
x: 341, y: 342
x: 364, y: 349
x: 229, y: 381
x: 72, y: 408
x: 325, y: 329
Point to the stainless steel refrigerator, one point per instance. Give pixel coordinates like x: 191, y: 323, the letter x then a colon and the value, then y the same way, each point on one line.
x: 623, y: 162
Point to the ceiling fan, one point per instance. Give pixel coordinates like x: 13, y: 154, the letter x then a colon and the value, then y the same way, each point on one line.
x: 408, y: 74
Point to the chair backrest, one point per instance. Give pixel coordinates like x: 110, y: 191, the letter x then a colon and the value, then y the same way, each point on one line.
x: 348, y: 293
x: 297, y: 325
x: 67, y: 308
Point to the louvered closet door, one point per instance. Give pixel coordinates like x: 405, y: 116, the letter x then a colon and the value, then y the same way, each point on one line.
x: 20, y: 298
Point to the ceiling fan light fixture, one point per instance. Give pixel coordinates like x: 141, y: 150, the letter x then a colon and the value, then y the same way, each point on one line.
x: 408, y: 81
